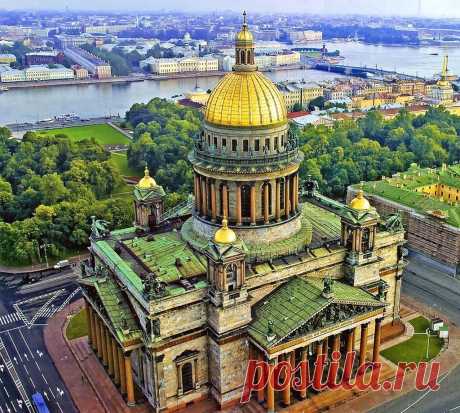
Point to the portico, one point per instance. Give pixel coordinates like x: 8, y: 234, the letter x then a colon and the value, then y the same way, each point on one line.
x: 309, y: 320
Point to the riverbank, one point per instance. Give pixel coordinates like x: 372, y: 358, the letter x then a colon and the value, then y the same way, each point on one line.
x: 73, y: 82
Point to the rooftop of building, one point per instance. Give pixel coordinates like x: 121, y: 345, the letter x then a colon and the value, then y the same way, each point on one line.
x: 88, y: 56
x: 409, y: 189
x: 181, y: 268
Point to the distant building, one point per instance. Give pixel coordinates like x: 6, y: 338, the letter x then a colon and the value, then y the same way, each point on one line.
x: 181, y: 65
x: 80, y: 72
x: 64, y: 41
x: 7, y: 58
x: 35, y: 73
x: 44, y: 58
x: 108, y: 28
x: 442, y: 93
x: 297, y: 92
x: 409, y: 87
x: 93, y: 64
x: 266, y: 34
x: 302, y: 36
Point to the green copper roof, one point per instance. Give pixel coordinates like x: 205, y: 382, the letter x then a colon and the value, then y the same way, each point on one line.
x: 294, y: 303
x: 117, y: 309
x: 168, y: 256
x: 326, y: 225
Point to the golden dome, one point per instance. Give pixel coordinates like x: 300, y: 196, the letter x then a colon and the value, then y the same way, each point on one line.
x: 147, y: 181
x: 244, y: 36
x: 245, y: 99
x: 224, y: 235
x: 359, y: 202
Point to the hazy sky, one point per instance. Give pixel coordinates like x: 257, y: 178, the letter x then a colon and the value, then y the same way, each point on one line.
x: 430, y: 8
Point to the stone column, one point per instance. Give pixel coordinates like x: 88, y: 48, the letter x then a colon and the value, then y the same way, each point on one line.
x: 287, y: 389
x: 303, y: 372
x: 348, y: 367
x: 239, y: 220
x: 104, y: 345
x: 336, y: 343
x: 296, y: 192
x: 88, y: 323
x: 266, y: 206
x: 260, y: 392
x: 204, y: 200
x: 319, y: 364
x: 197, y: 194
x: 377, y: 334
x: 225, y: 200
x: 253, y: 204
x: 116, y: 366
x: 213, y: 201
x: 363, y: 344
x: 325, y: 348
x: 129, y: 381
x: 108, y: 340
x: 98, y: 336
x: 278, y: 201
x: 287, y: 202
x: 121, y: 363
x: 93, y: 329
x: 270, y: 389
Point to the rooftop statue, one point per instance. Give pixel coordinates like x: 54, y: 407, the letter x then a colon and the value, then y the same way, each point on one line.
x: 99, y: 228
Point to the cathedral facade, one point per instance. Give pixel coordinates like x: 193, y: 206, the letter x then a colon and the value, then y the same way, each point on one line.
x: 256, y: 266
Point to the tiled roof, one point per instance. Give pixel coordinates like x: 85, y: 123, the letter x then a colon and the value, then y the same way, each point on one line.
x: 294, y: 303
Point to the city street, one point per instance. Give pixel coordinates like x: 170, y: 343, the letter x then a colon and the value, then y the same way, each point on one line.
x: 441, y: 292
x: 25, y: 367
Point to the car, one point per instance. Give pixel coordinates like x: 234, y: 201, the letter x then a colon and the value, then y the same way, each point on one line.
x: 62, y: 264
x: 40, y: 403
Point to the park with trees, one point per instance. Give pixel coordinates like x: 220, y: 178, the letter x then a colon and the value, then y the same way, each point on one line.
x: 51, y: 185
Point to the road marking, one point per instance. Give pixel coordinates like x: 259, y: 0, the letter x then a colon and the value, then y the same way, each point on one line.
x: 25, y: 368
x: 38, y: 367
x: 25, y: 342
x: 52, y: 392
x: 44, y: 379
x: 33, y: 384
x: 455, y: 408
x: 59, y: 407
x: 425, y: 394
x: 4, y: 388
x: 14, y: 344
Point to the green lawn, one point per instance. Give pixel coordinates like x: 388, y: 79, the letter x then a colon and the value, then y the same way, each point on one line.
x: 78, y: 327
x: 414, y: 349
x: 104, y: 134
x: 120, y: 161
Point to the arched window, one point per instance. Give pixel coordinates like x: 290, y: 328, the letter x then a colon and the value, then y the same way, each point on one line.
x: 246, y: 201
x: 187, y: 377
x: 230, y: 274
x: 221, y: 199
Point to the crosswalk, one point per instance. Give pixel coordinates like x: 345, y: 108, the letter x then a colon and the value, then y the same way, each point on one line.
x: 12, y: 318
x: 9, y: 319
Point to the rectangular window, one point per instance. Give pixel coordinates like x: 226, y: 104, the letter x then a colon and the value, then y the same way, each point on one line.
x: 209, y: 140
x: 256, y: 145
x: 215, y: 141
x: 276, y: 143
x: 224, y: 143
x: 245, y: 145
x: 267, y: 143
x: 234, y: 145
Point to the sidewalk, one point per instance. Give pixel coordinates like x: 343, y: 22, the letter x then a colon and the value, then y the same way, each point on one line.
x: 83, y: 395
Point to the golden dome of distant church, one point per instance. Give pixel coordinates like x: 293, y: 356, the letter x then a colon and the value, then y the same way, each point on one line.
x: 147, y: 181
x: 245, y: 97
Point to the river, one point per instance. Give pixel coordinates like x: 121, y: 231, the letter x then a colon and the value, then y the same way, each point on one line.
x: 31, y: 105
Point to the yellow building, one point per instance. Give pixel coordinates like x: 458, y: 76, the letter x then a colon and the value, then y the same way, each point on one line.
x: 442, y: 93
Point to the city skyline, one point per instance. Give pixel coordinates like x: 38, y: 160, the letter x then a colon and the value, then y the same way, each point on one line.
x: 425, y: 8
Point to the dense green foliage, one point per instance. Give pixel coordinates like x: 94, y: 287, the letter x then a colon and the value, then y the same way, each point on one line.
x: 163, y: 136
x: 19, y: 50
x: 372, y: 147
x: 50, y: 186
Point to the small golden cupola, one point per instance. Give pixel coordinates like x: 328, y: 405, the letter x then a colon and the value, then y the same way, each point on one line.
x: 244, y: 45
x: 360, y: 203
x: 224, y: 235
x: 147, y: 182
